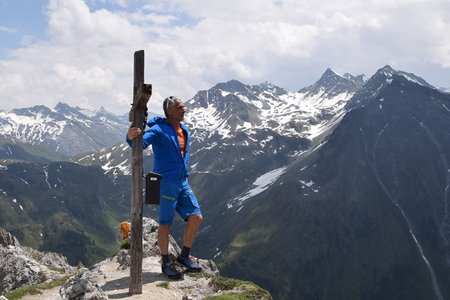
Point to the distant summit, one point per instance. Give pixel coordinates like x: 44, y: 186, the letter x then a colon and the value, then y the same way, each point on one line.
x: 64, y: 130
x: 331, y: 84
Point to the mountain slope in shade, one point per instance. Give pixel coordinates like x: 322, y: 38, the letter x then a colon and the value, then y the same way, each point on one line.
x: 363, y: 215
x: 63, y: 207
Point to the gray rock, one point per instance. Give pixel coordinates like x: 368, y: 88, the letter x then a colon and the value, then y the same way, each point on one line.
x: 124, y: 259
x: 7, y: 239
x: 149, y: 244
x: 83, y: 286
x: 208, y: 266
x: 150, y: 240
x: 17, y: 270
x: 55, y: 260
x: 23, y: 266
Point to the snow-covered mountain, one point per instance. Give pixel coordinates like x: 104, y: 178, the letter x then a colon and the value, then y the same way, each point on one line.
x: 361, y: 212
x: 63, y: 129
x: 261, y: 120
x: 232, y: 106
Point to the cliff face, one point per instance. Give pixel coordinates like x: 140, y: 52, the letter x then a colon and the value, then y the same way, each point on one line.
x: 24, y: 267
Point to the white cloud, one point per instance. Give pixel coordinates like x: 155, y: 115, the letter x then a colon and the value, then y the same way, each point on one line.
x: 87, y: 57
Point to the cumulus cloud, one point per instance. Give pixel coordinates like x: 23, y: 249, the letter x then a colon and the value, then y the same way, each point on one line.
x: 87, y: 56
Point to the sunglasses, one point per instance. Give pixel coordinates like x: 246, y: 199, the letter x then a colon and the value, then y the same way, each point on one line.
x: 169, y: 101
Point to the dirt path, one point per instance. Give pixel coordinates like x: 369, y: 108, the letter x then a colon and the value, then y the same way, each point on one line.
x: 115, y: 283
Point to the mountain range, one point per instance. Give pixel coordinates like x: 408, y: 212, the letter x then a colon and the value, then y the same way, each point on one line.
x: 64, y: 130
x: 360, y: 213
x: 336, y: 191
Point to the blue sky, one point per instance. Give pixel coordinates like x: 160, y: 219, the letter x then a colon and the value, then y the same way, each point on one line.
x: 81, y: 52
x: 13, y: 28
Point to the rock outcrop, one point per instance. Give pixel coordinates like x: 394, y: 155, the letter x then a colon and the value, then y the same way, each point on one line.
x: 22, y: 266
x: 7, y: 239
x: 83, y: 286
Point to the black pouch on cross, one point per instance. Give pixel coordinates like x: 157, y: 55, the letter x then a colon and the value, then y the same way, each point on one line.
x: 152, y: 188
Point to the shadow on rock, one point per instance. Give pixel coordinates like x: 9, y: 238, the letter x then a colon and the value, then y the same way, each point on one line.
x: 124, y: 282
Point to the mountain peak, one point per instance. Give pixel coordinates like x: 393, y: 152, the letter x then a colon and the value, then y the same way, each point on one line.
x: 28, y: 111
x: 66, y: 110
x: 61, y: 106
x: 388, y: 72
x: 388, y: 69
x: 231, y: 86
x: 330, y: 75
x: 330, y: 72
x: 383, y: 77
x: 333, y: 83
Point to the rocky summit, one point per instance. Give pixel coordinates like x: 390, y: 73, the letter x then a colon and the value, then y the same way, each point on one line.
x: 111, y: 277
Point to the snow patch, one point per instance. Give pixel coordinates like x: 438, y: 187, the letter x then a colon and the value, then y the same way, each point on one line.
x: 308, y: 184
x: 261, y: 184
x: 448, y: 109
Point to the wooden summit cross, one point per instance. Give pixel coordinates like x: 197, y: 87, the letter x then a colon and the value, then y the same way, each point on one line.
x: 141, y: 95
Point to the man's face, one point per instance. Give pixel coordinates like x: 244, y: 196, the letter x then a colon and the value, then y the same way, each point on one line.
x: 176, y: 111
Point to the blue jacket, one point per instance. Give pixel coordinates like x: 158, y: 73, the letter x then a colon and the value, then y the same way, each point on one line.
x: 166, y: 148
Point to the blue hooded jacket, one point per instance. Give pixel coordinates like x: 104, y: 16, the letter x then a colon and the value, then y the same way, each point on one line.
x: 164, y: 140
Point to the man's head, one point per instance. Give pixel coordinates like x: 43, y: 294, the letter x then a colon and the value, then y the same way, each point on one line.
x: 174, y: 109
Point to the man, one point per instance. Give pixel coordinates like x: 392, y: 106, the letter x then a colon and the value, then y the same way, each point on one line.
x: 170, y: 138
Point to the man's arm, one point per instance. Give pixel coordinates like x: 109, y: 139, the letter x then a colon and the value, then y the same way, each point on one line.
x: 134, y: 132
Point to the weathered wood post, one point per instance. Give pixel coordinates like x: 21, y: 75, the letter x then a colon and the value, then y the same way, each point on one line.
x: 141, y: 95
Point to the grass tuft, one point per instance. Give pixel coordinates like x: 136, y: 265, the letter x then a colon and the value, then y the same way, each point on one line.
x: 245, y: 290
x: 36, y: 289
x: 163, y: 284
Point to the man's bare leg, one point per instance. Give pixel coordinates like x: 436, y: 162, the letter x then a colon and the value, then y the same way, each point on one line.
x: 191, y: 229
x: 163, y: 238
x: 190, y: 232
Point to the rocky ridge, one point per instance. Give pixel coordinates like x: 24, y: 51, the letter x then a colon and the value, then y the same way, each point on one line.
x: 110, y: 278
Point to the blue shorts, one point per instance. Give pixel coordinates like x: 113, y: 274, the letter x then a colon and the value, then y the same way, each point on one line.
x: 176, y: 197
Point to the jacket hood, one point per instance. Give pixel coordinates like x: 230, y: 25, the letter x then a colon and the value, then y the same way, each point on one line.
x: 155, y: 120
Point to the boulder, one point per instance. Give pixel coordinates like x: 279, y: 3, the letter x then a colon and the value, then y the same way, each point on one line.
x: 83, y: 286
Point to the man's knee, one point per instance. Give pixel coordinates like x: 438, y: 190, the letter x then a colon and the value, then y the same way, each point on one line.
x: 197, y: 219
x: 164, y: 229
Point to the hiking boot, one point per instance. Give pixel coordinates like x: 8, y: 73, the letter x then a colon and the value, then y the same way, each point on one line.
x: 189, y: 264
x: 171, y: 271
